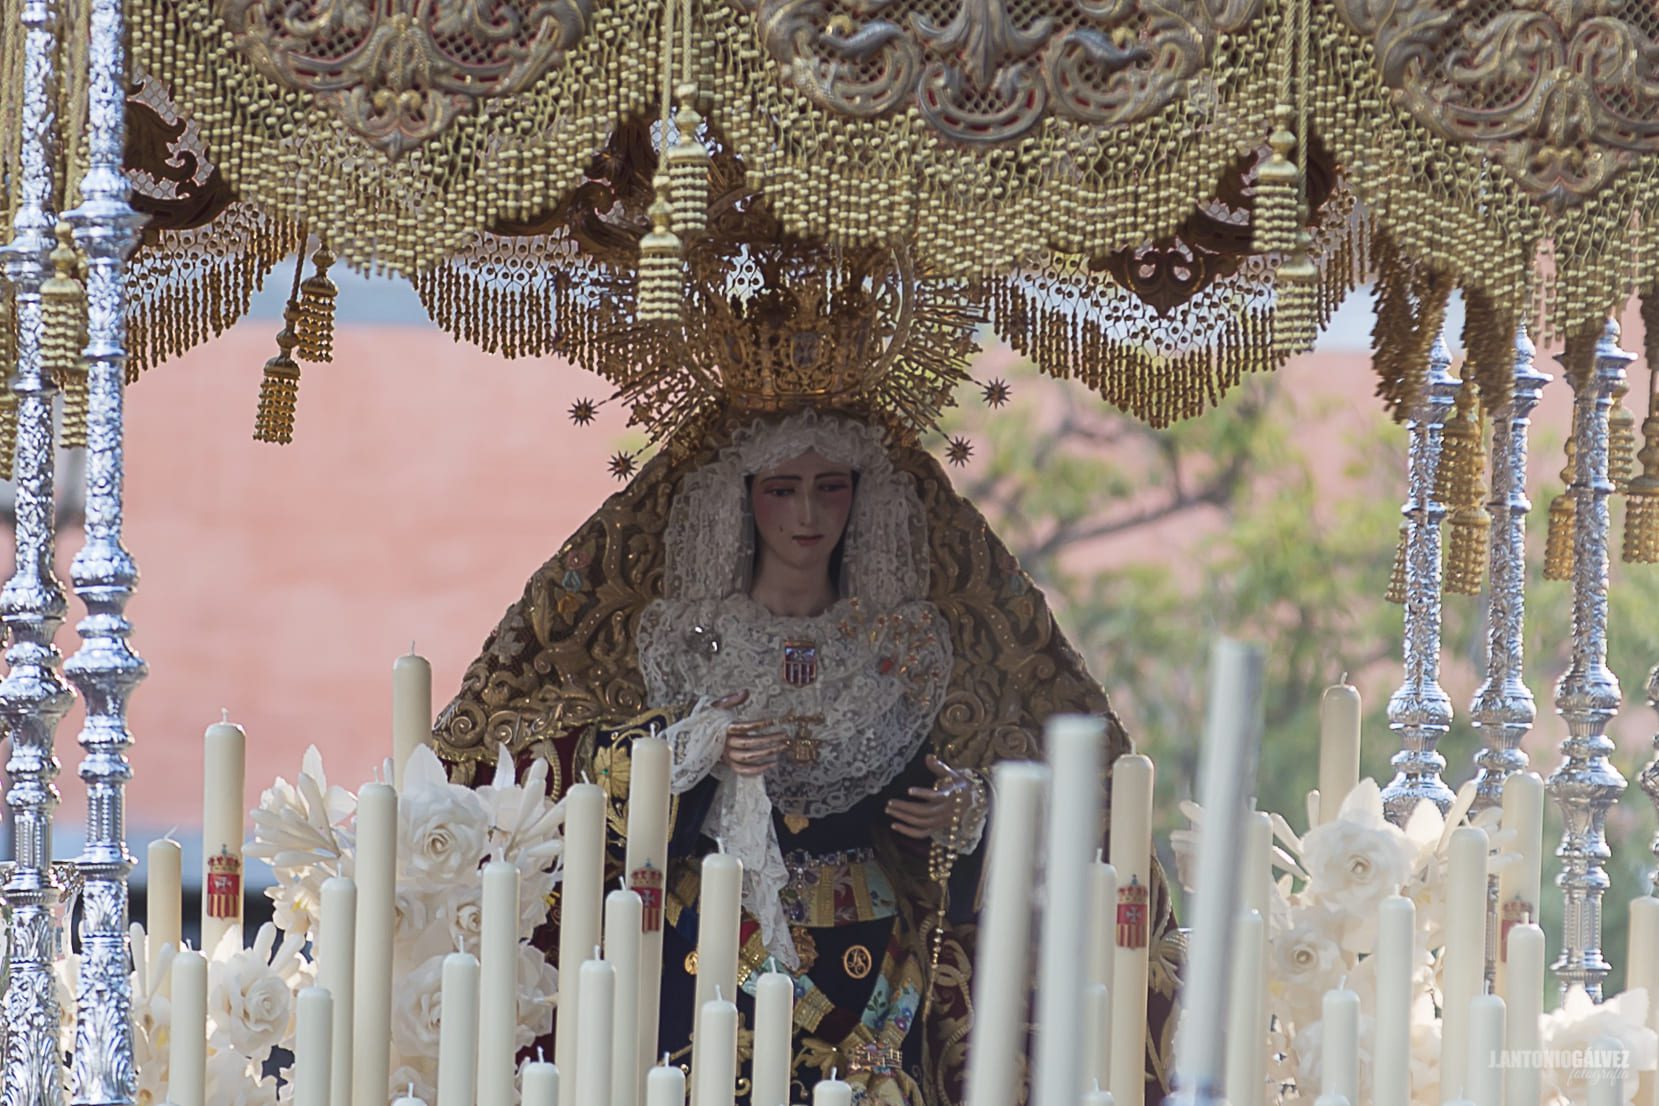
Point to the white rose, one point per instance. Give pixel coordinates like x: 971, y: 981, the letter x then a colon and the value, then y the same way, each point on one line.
x: 417, y: 1000
x: 1354, y: 863
x: 233, y: 1081
x: 1306, y: 962
x: 538, y: 990
x: 1575, y: 1026
x: 463, y: 914
x: 442, y: 831
x: 249, y: 1006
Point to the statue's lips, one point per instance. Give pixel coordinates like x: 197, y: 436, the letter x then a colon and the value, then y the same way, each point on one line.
x: 807, y: 539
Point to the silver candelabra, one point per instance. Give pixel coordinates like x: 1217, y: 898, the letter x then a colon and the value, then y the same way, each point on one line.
x: 1503, y: 710
x: 1586, y: 785
x: 1420, y: 712
x: 1649, y: 778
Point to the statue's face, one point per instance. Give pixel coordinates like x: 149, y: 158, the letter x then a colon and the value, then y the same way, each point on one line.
x: 801, y: 509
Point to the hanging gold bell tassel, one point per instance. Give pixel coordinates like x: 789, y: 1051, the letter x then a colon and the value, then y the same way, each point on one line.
x: 8, y: 428
x: 1621, y: 440
x: 1641, y: 500
x: 1277, y: 182
x: 1558, y: 545
x: 315, y: 326
x: 688, y: 169
x: 660, y: 286
x: 1397, y: 577
x: 1296, y: 311
x: 1469, y: 525
x: 279, y: 390
x: 63, y: 338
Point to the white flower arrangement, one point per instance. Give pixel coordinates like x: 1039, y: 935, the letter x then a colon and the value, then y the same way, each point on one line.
x: 303, y: 830
x: 1323, y: 929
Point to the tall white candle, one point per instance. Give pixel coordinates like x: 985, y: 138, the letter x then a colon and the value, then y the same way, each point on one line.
x: 458, y: 1031
x: 1256, y: 871
x: 1485, y: 1072
x: 1097, y: 1035
x: 163, y: 914
x: 1228, y: 766
x: 1643, y: 971
x: 541, y: 1084
x: 1097, y: 1097
x: 665, y: 1086
x: 336, y: 967
x: 1522, y: 1079
x: 1001, y: 981
x: 774, y: 1012
x: 1339, y: 714
x: 623, y: 910
x: 1246, y: 1035
x: 647, y: 864
x: 1607, y: 1081
x: 598, y: 991
x: 498, y: 986
x: 409, y: 1098
x: 715, y: 1081
x: 1074, y: 745
x: 313, y: 1047
x: 832, y: 1092
x: 187, y: 1055
x: 1341, y: 1044
x: 580, y: 904
x: 1131, y: 855
x: 1396, y: 959
x: 1102, y: 943
x: 411, y: 709
x: 224, y: 773
x: 717, y: 922
x: 376, y: 924
x: 1518, y: 882
x: 1465, y: 953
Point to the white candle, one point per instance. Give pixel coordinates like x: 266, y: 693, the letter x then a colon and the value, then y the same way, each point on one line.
x: 1097, y: 1097
x: 458, y: 1031
x: 371, y: 1041
x: 1001, y: 982
x: 1607, y: 1081
x: 1246, y: 1035
x: 336, y: 966
x: 623, y: 911
x: 598, y: 991
x: 1465, y: 953
x: 541, y: 1084
x: 224, y: 773
x: 1518, y: 882
x: 1339, y: 714
x: 313, y: 1046
x: 411, y: 709
x: 1228, y: 773
x: 1643, y: 971
x: 1131, y: 856
x: 774, y: 1013
x: 1256, y: 872
x: 1102, y: 943
x: 715, y: 1081
x: 665, y: 1086
x: 163, y: 914
x: 498, y: 986
x: 187, y: 1056
x: 409, y: 1098
x: 1485, y: 1071
x: 833, y: 1092
x: 1074, y: 822
x: 1341, y: 1044
x: 1097, y: 1034
x: 647, y: 864
x: 717, y: 922
x: 580, y: 904
x: 1396, y: 958
x: 1522, y: 1079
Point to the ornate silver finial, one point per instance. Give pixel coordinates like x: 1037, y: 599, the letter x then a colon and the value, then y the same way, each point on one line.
x: 1586, y: 785
x: 1504, y: 710
x: 1420, y: 712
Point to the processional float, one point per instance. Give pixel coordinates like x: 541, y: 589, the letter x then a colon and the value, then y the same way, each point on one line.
x: 1152, y: 199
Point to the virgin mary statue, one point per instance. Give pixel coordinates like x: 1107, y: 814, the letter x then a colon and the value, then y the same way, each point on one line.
x: 837, y: 649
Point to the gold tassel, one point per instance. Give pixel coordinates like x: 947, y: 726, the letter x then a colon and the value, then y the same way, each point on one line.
x: 63, y: 338
x: 279, y: 391
x: 8, y: 427
x: 1641, y: 497
x: 1397, y: 577
x: 688, y: 168
x: 1621, y: 440
x: 1276, y: 188
x: 1558, y: 545
x: 315, y: 326
x: 660, y: 285
x: 1458, y: 486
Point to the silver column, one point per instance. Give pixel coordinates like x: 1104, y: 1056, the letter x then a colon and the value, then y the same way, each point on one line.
x: 105, y: 669
x: 1586, y: 786
x: 1504, y: 711
x: 32, y: 697
x: 1420, y: 711
x: 1649, y: 778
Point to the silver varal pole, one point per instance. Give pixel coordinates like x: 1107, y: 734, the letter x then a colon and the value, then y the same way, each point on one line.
x: 1420, y: 712
x: 32, y: 697
x: 1586, y: 785
x: 1649, y: 778
x: 1503, y: 711
x: 105, y: 669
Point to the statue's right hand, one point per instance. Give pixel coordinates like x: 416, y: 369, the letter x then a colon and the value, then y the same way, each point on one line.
x: 751, y: 747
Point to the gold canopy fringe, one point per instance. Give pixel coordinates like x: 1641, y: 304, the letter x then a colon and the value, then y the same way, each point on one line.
x: 1641, y: 513
x: 1396, y: 592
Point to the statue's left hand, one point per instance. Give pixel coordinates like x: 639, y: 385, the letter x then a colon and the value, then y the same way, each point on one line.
x: 930, y: 811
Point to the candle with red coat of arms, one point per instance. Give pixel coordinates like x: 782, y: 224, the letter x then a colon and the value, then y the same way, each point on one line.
x: 224, y: 758
x: 646, y: 859
x: 1131, y: 858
